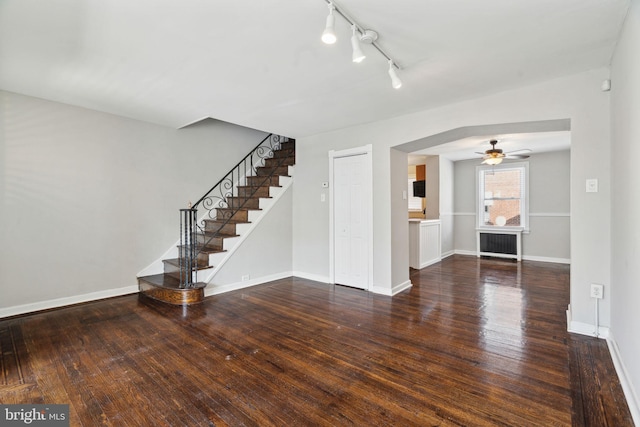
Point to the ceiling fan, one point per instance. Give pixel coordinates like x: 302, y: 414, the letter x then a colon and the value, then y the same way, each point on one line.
x: 494, y: 156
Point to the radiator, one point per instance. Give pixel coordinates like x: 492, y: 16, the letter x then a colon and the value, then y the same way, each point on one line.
x: 499, y: 244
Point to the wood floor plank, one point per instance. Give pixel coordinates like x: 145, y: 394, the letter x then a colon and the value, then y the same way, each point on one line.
x: 474, y: 342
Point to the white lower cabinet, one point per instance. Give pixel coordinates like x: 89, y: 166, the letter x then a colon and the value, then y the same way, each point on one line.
x: 424, y: 242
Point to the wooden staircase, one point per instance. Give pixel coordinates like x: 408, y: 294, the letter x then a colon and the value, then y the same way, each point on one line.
x: 167, y: 286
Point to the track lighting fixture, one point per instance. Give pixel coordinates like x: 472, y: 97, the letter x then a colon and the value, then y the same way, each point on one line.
x: 329, y: 35
x: 366, y: 36
x: 357, y: 56
x: 396, y: 83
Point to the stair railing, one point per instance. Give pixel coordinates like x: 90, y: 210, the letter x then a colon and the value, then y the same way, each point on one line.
x: 187, y: 249
x: 193, y: 238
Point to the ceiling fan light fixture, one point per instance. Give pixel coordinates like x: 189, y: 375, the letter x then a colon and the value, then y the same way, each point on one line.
x: 492, y: 161
x: 494, y: 156
x: 329, y: 34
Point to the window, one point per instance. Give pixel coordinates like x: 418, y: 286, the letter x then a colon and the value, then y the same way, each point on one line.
x: 503, y: 196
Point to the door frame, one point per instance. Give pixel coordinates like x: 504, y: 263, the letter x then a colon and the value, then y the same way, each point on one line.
x: 366, y: 150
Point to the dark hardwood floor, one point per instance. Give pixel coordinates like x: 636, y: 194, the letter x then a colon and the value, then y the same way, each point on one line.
x: 475, y: 342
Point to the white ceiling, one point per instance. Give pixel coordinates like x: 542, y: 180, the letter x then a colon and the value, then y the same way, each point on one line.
x: 261, y: 64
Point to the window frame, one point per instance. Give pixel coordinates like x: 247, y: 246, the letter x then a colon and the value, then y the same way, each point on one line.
x: 524, y: 200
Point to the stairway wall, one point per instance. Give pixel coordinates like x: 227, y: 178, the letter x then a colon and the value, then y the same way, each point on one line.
x: 88, y: 199
x: 265, y: 255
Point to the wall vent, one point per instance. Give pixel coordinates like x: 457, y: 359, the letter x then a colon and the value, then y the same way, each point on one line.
x: 499, y: 244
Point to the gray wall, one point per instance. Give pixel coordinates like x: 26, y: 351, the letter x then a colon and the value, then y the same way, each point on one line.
x: 400, y: 254
x: 446, y: 206
x: 549, y: 206
x: 624, y: 292
x: 577, y: 98
x: 89, y: 199
x: 266, y: 252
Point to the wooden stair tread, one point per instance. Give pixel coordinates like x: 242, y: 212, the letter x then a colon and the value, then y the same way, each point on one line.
x: 205, y: 249
x: 217, y: 234
x: 166, y: 281
x: 241, y: 198
x: 208, y: 249
x: 227, y: 221
x: 176, y: 262
x: 255, y: 186
x: 238, y: 209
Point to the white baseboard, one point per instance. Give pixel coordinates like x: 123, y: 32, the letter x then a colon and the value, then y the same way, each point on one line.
x: 430, y: 262
x: 311, y: 276
x: 546, y: 259
x: 585, y: 328
x: 213, y: 289
x: 524, y: 257
x: 401, y: 287
x: 374, y: 289
x: 220, y: 289
x: 448, y: 254
x: 627, y: 386
x: 391, y: 291
x: 588, y: 329
x: 61, y: 302
x: 463, y: 252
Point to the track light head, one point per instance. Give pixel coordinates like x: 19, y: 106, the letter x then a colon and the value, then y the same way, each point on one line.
x: 357, y: 56
x: 396, y: 83
x: 358, y: 36
x: 329, y: 35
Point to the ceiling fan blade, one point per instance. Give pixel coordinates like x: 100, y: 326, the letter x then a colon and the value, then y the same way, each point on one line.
x: 518, y: 156
x: 523, y: 150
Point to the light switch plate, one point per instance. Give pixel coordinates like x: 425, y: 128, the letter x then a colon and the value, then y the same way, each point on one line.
x: 592, y: 185
x: 597, y: 291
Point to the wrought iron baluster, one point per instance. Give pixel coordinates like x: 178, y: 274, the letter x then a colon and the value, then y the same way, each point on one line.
x: 187, y: 251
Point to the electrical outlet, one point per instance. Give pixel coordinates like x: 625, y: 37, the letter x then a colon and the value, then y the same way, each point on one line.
x: 245, y: 277
x: 597, y: 291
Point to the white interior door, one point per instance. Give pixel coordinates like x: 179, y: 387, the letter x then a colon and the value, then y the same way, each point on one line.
x: 351, y: 212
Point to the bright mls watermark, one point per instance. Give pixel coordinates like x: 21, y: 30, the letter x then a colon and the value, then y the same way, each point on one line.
x: 34, y: 415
